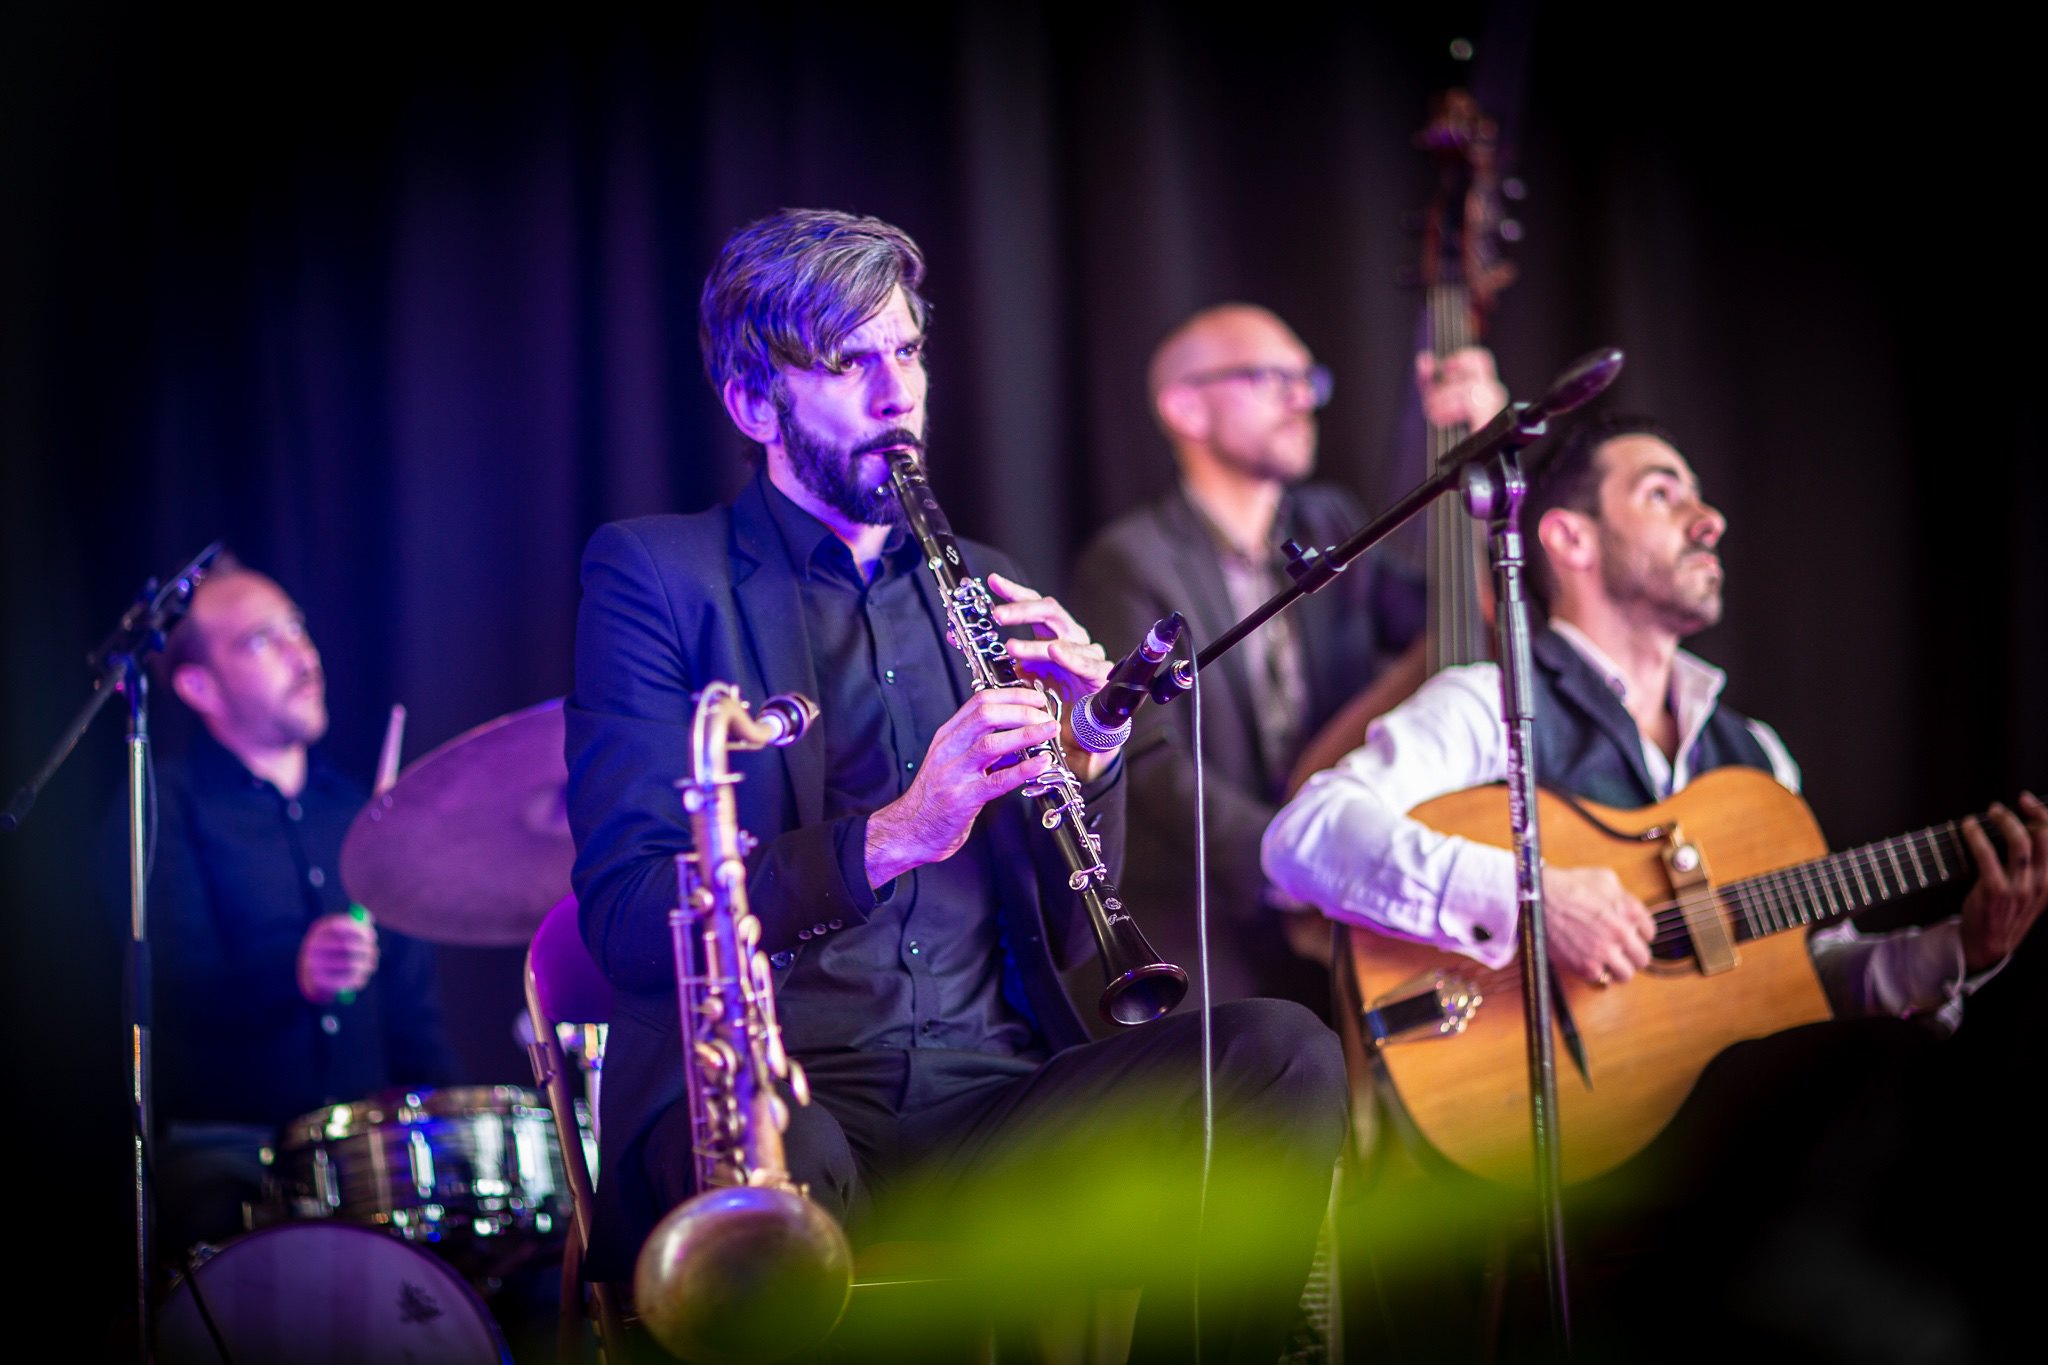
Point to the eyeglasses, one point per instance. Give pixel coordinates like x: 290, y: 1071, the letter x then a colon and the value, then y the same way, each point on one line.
x: 1275, y: 379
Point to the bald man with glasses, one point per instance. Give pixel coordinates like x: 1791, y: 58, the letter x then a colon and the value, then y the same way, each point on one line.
x: 1236, y: 393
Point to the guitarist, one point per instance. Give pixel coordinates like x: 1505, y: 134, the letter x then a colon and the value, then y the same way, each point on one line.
x: 1625, y: 717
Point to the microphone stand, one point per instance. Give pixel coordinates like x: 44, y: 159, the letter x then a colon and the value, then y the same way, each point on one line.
x: 117, y: 665
x: 1486, y: 473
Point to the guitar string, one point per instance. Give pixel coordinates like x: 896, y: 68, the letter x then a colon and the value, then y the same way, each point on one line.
x: 1670, y: 916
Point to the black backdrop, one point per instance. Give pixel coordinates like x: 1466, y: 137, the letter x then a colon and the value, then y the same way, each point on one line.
x: 402, y: 306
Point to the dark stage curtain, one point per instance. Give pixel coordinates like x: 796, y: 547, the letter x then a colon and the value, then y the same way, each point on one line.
x: 402, y: 305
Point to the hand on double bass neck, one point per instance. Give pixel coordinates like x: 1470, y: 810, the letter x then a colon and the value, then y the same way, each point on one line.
x: 1460, y: 389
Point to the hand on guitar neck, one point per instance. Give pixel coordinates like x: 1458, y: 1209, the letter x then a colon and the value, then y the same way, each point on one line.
x: 2009, y: 894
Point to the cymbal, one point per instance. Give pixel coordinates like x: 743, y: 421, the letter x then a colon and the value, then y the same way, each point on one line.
x: 471, y: 845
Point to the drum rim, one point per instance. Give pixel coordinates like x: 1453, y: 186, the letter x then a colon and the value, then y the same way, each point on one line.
x: 405, y: 1107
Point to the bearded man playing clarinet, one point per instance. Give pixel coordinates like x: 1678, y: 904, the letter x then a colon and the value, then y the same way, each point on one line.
x: 915, y: 909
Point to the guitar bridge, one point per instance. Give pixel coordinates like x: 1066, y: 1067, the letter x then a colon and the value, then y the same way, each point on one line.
x: 1434, y: 1005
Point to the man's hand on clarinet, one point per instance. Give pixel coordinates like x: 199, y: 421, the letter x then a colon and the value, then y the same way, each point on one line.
x: 936, y: 813
x: 1062, y: 659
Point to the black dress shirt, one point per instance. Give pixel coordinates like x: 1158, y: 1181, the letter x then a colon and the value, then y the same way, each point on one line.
x: 240, y: 872
x: 924, y: 970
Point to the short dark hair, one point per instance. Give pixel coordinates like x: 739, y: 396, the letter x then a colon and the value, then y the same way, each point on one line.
x: 1569, y: 477
x: 789, y: 288
x: 184, y: 645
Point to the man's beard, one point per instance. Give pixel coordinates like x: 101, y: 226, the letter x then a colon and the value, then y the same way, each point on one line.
x: 1261, y: 460
x: 833, y: 475
x: 1629, y: 581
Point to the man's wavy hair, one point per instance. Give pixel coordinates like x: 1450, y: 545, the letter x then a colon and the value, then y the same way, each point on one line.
x: 787, y: 290
x: 1569, y: 477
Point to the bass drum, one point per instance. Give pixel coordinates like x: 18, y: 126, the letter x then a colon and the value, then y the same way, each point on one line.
x: 325, y: 1294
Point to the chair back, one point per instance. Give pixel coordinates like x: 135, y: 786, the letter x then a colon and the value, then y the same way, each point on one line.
x: 564, y: 986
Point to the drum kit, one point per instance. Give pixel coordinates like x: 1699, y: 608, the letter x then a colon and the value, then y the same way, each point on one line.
x: 383, y: 1218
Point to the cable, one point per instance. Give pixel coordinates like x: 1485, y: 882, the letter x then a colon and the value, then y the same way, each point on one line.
x: 1202, y: 978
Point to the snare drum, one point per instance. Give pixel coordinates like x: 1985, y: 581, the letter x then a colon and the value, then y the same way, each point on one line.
x: 475, y: 1172
x: 325, y: 1294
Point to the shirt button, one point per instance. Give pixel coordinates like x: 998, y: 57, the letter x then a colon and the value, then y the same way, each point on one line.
x: 315, y: 876
x: 835, y: 924
x: 915, y: 947
x: 910, y: 765
x: 294, y: 811
x: 329, y: 1025
x: 889, y: 675
x: 819, y: 929
x: 804, y: 934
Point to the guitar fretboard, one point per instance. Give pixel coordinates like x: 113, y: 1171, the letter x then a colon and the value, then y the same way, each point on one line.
x: 1844, y: 883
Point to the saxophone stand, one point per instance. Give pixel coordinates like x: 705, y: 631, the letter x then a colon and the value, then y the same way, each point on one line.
x: 1484, y: 471
x: 117, y: 667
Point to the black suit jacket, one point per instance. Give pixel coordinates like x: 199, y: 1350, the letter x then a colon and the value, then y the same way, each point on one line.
x: 669, y: 604
x: 1163, y: 558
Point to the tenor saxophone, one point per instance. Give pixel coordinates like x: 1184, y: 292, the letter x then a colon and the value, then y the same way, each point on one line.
x: 1140, y: 986
x: 747, y: 1268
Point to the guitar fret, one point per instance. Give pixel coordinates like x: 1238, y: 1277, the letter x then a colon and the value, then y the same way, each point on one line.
x: 1934, y: 852
x: 1891, y: 849
x: 1918, y: 870
x: 1834, y: 865
x: 1767, y: 887
x: 1863, y: 896
x: 1827, y: 894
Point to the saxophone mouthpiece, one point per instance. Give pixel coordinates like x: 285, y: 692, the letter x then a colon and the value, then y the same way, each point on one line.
x: 791, y: 713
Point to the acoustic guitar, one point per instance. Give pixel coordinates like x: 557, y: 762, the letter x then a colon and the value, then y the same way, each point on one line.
x: 1730, y: 867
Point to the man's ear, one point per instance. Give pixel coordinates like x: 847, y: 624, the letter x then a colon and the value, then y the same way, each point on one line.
x: 1570, y: 539
x: 197, y: 688
x: 1182, y: 412
x: 754, y: 414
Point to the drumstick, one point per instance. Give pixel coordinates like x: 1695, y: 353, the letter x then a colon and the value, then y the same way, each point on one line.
x: 387, y: 762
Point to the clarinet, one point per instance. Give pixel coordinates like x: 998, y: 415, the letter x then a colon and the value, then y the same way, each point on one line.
x: 1140, y: 987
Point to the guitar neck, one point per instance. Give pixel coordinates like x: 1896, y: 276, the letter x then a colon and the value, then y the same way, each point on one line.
x: 1457, y: 626
x: 1847, y: 882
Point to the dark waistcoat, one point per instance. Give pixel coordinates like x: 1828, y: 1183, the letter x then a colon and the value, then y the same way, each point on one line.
x: 1587, y: 744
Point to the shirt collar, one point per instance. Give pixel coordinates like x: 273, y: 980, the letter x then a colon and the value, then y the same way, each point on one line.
x: 1695, y: 684
x: 813, y: 549
x: 1283, y: 527
x: 216, y: 764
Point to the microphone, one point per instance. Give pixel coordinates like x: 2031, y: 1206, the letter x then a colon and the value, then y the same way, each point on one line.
x: 1578, y: 385
x: 1102, y: 721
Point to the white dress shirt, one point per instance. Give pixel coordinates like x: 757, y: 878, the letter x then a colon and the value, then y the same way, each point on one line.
x: 1346, y: 845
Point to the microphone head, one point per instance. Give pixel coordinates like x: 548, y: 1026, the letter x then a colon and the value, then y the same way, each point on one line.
x: 1089, y: 733
x: 1587, y: 377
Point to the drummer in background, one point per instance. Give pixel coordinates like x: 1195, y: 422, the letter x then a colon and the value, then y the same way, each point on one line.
x: 272, y: 999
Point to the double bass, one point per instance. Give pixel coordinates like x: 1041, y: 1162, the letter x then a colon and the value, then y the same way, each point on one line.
x: 1461, y: 273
